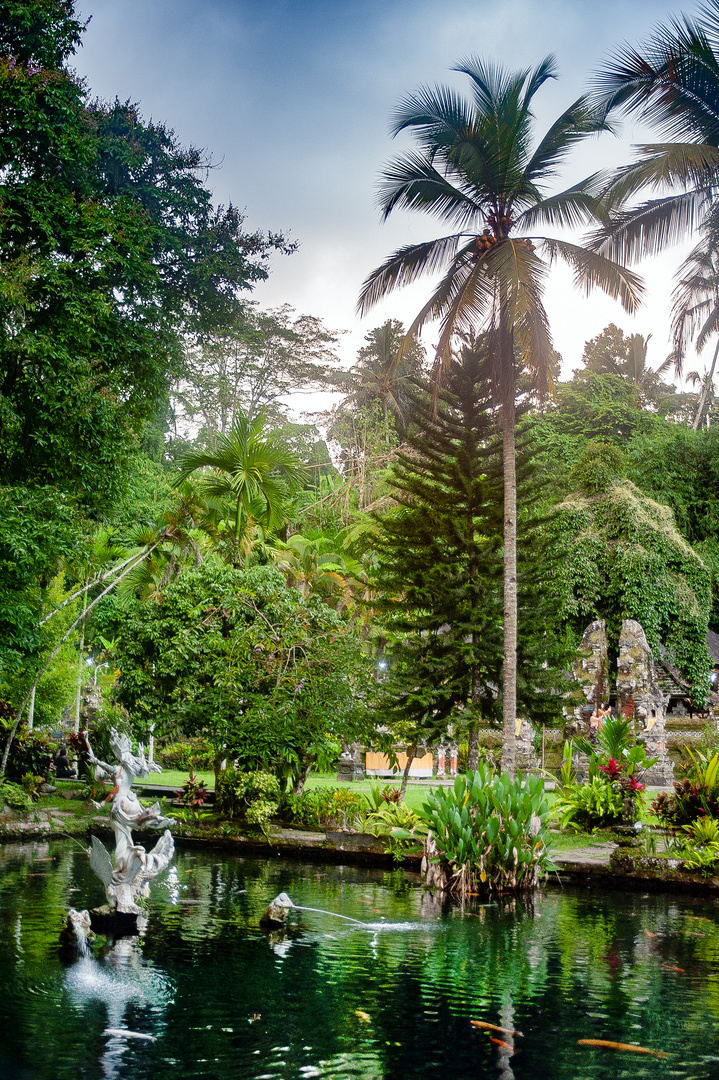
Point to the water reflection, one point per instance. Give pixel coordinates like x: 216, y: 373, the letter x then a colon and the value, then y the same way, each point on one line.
x: 391, y: 998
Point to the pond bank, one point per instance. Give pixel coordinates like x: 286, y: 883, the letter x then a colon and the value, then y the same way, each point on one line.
x: 597, y: 866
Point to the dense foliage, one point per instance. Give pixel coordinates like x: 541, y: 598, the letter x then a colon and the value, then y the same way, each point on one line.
x: 270, y: 679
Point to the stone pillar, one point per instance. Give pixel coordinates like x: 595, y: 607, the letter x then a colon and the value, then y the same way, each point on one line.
x: 441, y: 762
x: 641, y: 698
x: 350, y: 765
x: 591, y: 671
x: 453, y: 751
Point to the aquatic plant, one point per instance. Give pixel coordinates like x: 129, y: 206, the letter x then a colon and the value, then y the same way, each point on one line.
x: 485, y: 833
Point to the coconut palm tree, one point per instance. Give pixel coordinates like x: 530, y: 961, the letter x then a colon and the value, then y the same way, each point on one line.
x: 696, y: 312
x: 672, y: 82
x: 476, y: 169
x: 384, y: 372
x: 252, y: 469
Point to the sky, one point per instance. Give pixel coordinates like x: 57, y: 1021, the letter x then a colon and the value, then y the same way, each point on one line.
x: 291, y: 100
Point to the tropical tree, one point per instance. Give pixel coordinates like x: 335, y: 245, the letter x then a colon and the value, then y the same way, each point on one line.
x: 672, y: 82
x: 696, y: 309
x: 253, y: 472
x: 384, y: 372
x: 476, y: 169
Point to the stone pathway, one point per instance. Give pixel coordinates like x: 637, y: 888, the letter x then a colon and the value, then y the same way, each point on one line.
x: 591, y: 855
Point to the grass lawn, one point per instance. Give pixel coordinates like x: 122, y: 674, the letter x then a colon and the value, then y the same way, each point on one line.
x: 175, y: 778
x: 416, y: 792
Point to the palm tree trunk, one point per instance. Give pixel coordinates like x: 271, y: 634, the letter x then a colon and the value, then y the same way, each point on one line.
x: 705, y: 390
x: 509, y: 671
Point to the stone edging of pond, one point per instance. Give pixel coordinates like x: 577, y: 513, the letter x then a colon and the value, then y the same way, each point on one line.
x: 603, y: 866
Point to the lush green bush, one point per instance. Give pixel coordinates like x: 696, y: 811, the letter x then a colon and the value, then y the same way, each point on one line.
x: 14, y: 796
x: 196, y: 755
x: 30, y: 752
x: 322, y: 807
x: 194, y: 792
x: 698, y: 847
x: 611, y: 793
x: 696, y: 795
x: 591, y: 805
x: 486, y: 833
x: 254, y: 796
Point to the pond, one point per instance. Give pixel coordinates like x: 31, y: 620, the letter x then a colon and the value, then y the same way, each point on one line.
x: 394, y: 999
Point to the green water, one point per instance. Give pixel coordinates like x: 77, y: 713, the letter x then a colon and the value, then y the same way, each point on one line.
x: 392, y: 1000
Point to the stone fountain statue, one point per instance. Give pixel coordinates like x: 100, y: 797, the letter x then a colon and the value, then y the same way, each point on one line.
x: 133, y: 867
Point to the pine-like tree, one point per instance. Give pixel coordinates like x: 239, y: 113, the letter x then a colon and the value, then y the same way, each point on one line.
x: 440, y: 571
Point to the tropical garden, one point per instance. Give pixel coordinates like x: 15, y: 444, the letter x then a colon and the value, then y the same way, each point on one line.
x: 182, y: 558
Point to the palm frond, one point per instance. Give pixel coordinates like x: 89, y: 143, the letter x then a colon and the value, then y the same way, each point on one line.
x: 594, y: 270
x: 577, y: 206
x: 438, y: 115
x: 411, y: 182
x: 405, y: 266
x: 633, y: 234
x: 578, y: 122
x: 670, y: 81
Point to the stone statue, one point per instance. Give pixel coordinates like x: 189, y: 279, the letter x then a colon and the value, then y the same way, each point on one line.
x: 134, y: 867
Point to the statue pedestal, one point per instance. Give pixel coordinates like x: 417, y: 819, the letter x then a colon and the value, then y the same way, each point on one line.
x: 350, y: 770
x: 115, y: 924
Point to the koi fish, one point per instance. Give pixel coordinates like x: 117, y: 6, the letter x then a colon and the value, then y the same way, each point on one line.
x: 504, y: 1045
x: 363, y: 1016
x: 669, y: 967
x: 123, y: 1033
x: 648, y: 933
x: 607, y: 1045
x: 493, y: 1027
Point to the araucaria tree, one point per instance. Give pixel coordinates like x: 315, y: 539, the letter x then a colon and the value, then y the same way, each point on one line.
x: 439, y: 574
x: 477, y: 170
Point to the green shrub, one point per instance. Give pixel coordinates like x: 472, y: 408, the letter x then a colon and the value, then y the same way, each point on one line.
x: 194, y: 792
x: 14, y: 796
x: 192, y: 756
x: 30, y: 752
x: 254, y: 796
x: 696, y: 795
x: 591, y: 805
x: 487, y: 832
x: 31, y: 785
x: 700, y: 847
x: 322, y: 807
x: 613, y: 788
x: 397, y: 824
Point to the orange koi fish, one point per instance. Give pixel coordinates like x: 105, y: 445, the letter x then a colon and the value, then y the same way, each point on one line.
x: 670, y: 967
x: 493, y: 1027
x: 648, y: 933
x: 504, y: 1045
x: 607, y: 1045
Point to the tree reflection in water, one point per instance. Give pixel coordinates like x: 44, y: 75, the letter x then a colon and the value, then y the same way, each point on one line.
x: 224, y: 1000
